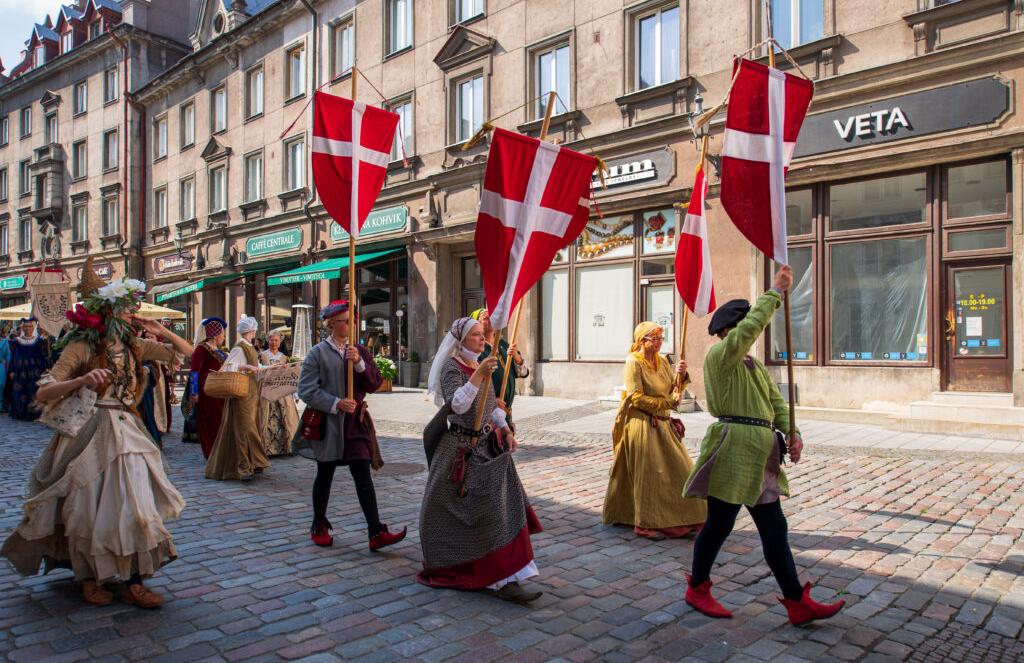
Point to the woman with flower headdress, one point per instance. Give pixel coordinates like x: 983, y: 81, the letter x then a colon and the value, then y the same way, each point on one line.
x: 207, y: 357
x: 238, y: 451
x: 30, y: 356
x: 475, y: 521
x: 97, y: 501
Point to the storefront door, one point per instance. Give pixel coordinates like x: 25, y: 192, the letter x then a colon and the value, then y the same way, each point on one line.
x: 472, y: 287
x: 978, y: 348
x: 659, y: 308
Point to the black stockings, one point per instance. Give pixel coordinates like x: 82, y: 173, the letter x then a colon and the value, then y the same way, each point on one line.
x: 360, y: 470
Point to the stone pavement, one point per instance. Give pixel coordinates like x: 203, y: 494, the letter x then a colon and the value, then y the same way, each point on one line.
x: 924, y: 544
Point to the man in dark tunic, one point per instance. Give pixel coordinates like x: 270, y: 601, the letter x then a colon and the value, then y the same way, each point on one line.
x: 347, y: 437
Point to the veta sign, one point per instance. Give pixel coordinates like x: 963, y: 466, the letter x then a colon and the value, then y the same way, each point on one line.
x: 285, y: 240
x: 388, y: 219
x: 885, y: 121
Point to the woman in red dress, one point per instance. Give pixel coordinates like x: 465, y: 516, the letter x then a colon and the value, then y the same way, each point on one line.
x: 207, y: 357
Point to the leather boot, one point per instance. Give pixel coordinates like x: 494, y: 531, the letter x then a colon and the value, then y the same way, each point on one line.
x: 139, y: 595
x: 699, y: 597
x: 514, y: 593
x: 385, y: 538
x: 96, y: 594
x: 807, y: 609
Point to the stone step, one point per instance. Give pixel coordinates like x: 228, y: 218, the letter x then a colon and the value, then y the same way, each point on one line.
x: 842, y: 415
x: 972, y: 398
x: 982, y: 414
x: 991, y: 422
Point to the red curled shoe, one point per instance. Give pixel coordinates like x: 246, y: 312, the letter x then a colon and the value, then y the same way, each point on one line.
x: 321, y: 535
x: 807, y: 609
x: 699, y: 597
x: 385, y: 538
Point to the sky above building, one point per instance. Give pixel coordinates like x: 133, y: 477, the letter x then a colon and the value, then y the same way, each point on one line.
x: 16, y: 20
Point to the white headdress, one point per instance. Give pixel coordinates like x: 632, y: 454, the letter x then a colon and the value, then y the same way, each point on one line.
x: 450, y: 346
x: 247, y: 323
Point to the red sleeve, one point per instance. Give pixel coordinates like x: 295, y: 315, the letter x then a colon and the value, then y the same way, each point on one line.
x: 369, y: 380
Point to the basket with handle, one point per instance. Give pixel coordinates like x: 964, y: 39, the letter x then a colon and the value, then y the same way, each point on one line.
x: 226, y: 384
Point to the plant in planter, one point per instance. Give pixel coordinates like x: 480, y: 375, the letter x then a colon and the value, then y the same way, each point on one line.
x: 387, y: 371
x: 410, y: 370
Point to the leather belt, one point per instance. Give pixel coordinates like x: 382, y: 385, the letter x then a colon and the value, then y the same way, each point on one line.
x: 469, y: 432
x: 747, y: 421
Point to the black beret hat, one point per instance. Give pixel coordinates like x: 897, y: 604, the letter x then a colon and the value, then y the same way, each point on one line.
x: 728, y: 315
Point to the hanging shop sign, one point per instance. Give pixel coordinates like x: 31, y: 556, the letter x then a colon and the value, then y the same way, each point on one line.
x: 378, y: 222
x: 262, y: 245
x: 104, y: 269
x: 12, y: 283
x: 173, y: 263
x: 638, y: 171
x: 967, y: 104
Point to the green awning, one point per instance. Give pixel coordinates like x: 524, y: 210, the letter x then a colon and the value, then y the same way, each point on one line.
x: 194, y: 286
x: 325, y: 269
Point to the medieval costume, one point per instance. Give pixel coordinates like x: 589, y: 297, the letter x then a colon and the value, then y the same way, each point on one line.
x: 147, y: 408
x: 5, y: 360
x: 475, y: 520
x: 519, y: 367
x: 278, y: 419
x: 97, y: 501
x: 30, y: 356
x: 209, y: 411
x: 238, y: 451
x: 188, y: 426
x: 331, y: 436
x: 650, y: 461
x: 741, y: 457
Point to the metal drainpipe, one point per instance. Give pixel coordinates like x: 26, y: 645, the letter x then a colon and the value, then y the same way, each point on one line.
x: 309, y: 151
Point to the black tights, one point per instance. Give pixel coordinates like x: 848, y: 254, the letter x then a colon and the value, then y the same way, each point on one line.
x: 360, y: 470
x: 771, y: 525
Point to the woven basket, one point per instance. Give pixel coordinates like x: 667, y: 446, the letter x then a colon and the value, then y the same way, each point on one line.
x: 226, y: 384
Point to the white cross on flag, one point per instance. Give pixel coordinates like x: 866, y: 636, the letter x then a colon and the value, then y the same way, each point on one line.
x: 693, y: 255
x: 535, y: 201
x: 766, y: 109
x: 346, y: 133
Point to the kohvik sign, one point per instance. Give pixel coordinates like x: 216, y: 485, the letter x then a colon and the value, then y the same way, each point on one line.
x: 968, y: 104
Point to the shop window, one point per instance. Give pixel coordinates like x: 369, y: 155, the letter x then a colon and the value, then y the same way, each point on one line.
x: 659, y: 308
x: 604, y: 304
x: 610, y: 237
x: 985, y: 240
x: 554, y: 301
x: 379, y: 273
x: 796, y: 22
x: 799, y: 212
x: 658, y: 267
x: 878, y: 300
x: 658, y: 233
x: 801, y: 302
x: 977, y: 190
x: 879, y: 202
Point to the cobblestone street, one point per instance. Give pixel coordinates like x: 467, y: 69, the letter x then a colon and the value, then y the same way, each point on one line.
x: 924, y: 545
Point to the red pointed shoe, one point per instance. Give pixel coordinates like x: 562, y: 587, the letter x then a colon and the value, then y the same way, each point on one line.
x: 700, y: 598
x: 386, y: 538
x: 321, y: 535
x: 806, y: 610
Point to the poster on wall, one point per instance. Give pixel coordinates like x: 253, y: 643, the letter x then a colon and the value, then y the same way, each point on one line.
x: 659, y: 231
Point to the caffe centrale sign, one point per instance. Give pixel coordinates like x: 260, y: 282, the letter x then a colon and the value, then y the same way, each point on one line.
x: 378, y: 222
x: 262, y: 245
x: 12, y: 283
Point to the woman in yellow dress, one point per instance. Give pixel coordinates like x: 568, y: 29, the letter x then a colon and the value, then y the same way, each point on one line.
x: 650, y: 462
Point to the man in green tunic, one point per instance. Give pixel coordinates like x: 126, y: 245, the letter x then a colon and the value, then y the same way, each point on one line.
x: 741, y: 457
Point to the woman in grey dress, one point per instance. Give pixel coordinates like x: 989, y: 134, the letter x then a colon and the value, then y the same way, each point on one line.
x: 475, y: 521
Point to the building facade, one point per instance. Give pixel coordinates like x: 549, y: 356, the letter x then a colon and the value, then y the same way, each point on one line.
x: 904, y: 203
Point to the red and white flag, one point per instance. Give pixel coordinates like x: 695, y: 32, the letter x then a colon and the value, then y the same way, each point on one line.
x: 535, y: 201
x: 766, y: 109
x: 693, y: 255
x: 347, y: 133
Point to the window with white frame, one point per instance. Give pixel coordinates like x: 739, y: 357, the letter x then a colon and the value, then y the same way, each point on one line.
x: 110, y: 222
x: 552, y: 74
x: 469, y: 107
x: 295, y: 84
x: 343, y: 47
x: 25, y: 234
x: 110, y: 144
x: 26, y: 121
x: 404, y: 131
x: 467, y: 9
x: 95, y: 28
x: 80, y: 98
x: 160, y: 207
x: 188, y: 124
x: 253, y: 177
x: 3, y: 183
x: 24, y: 178
x: 66, y: 41
x: 295, y: 163
x: 5, y: 134
x: 254, y: 92
x: 218, y: 189
x: 110, y: 85
x: 796, y: 22
x: 399, y: 22
x: 79, y: 163
x: 160, y: 137
x: 50, y: 129
x: 4, y: 245
x: 657, y: 47
x: 187, y: 198
x: 79, y: 222
x: 40, y: 55
x: 219, y: 110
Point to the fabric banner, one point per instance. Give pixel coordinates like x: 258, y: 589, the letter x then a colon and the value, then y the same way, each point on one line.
x: 693, y: 255
x: 277, y: 382
x: 50, y: 302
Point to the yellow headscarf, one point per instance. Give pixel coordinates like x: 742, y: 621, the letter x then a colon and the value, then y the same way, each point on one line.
x: 643, y: 329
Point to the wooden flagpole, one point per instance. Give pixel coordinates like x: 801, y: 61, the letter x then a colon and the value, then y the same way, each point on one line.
x: 353, y: 226
x: 686, y: 311
x: 785, y: 295
x: 545, y: 125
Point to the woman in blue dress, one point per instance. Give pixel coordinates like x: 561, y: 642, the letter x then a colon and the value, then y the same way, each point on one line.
x: 30, y: 357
